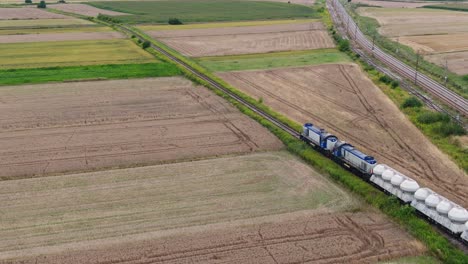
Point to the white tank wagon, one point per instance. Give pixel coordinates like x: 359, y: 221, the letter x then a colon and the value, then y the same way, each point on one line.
x: 458, y: 217
x: 443, y: 208
x: 432, y: 201
x: 376, y: 177
x: 387, y: 176
x: 419, y: 202
x: 396, y: 181
x: 408, y: 188
x: 464, y: 235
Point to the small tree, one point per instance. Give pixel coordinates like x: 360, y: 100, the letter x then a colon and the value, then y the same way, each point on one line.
x: 42, y: 4
x: 146, y: 44
x: 28, y: 1
x: 61, y: 2
x: 174, y: 21
x: 411, y: 102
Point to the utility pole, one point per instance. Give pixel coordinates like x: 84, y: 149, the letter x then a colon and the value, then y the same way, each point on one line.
x: 398, y: 44
x: 373, y: 44
x: 355, y: 31
x: 416, y: 72
x: 446, y: 72
x: 347, y: 26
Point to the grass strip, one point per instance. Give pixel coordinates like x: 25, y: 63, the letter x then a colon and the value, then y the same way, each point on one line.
x: 76, y: 73
x: 452, y: 7
x: 273, y: 60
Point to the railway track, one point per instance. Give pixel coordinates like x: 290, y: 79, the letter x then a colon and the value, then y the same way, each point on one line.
x: 353, y: 32
x: 216, y: 85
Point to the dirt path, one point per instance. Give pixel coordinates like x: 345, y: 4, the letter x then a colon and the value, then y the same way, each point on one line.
x: 342, y: 100
x: 54, y: 128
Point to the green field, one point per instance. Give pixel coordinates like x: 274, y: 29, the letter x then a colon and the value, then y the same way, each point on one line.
x: 273, y: 60
x: 67, y: 53
x: 204, y: 10
x: 413, y: 260
x: 75, y: 73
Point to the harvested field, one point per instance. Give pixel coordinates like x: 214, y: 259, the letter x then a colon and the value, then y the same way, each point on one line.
x: 44, y: 23
x: 297, y: 2
x: 437, y: 43
x: 24, y: 31
x: 54, y: 128
x: 457, y: 61
x: 342, y: 100
x: 68, y: 53
x: 60, y: 37
x: 27, y: 13
x: 246, y: 40
x: 394, y: 4
x: 293, y: 238
x: 420, y: 21
x: 85, y: 10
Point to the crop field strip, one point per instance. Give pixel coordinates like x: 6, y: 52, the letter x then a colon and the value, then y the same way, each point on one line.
x: 272, y: 60
x: 66, y: 53
x: 254, y: 204
x: 67, y: 29
x: 203, y: 10
x: 83, y: 9
x: 445, y: 39
x: 44, y: 23
x: 123, y: 123
x: 244, y: 40
x: 288, y: 90
x: 27, y: 13
x: 53, y: 37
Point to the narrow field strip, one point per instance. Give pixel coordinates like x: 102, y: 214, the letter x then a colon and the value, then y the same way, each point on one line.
x: 225, y: 24
x: 272, y: 60
x: 68, y: 29
x: 66, y: 53
x: 38, y: 23
x: 90, y: 72
x: 52, y: 37
x: 58, y: 210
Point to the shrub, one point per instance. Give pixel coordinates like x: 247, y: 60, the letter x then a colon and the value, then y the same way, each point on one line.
x: 42, y: 4
x: 394, y: 84
x: 108, y: 18
x: 343, y: 45
x: 174, y: 21
x: 411, y: 102
x: 449, y: 129
x: 465, y: 77
x: 28, y: 1
x: 433, y: 117
x: 61, y: 2
x: 146, y: 44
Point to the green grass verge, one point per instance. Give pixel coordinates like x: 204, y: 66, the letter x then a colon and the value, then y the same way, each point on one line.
x: 76, y: 73
x: 203, y: 10
x: 369, y: 26
x: 451, y: 6
x: 273, y: 60
x: 68, y: 53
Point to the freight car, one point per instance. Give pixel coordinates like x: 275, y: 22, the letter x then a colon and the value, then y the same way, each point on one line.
x: 426, y: 202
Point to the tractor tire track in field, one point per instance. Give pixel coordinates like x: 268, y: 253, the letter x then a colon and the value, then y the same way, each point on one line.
x: 386, y: 142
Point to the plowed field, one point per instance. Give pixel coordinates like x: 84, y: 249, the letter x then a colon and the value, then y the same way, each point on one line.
x: 300, y: 238
x: 342, y: 100
x: 54, y: 128
x: 245, y: 40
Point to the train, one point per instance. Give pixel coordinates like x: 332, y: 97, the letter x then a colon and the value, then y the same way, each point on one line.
x: 429, y: 204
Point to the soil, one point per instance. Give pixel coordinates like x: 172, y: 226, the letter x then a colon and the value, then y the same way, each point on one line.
x: 49, y: 213
x: 246, y: 40
x: 81, y: 126
x: 44, y: 37
x: 85, y: 10
x: 395, y: 4
x: 457, y: 62
x: 27, y: 13
x: 292, y: 238
x: 340, y: 99
x: 420, y: 21
x: 437, y: 43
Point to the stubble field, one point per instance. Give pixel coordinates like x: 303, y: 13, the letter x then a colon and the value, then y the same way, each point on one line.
x: 65, y: 36
x: 340, y: 99
x: 246, y: 40
x: 438, y: 34
x: 55, y: 128
x: 85, y: 10
x: 27, y: 13
x: 260, y: 207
